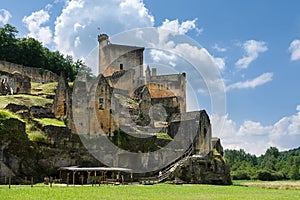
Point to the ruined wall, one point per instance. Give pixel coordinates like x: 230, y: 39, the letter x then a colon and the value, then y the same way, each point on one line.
x: 35, y: 74
x: 176, y: 83
x: 62, y: 101
x: 103, y: 106
x: 193, y: 122
x: 14, y: 83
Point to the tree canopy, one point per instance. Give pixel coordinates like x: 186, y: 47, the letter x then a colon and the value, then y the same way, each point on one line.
x: 273, y: 165
x: 31, y: 53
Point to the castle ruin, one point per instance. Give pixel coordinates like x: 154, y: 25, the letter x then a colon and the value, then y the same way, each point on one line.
x: 126, y: 99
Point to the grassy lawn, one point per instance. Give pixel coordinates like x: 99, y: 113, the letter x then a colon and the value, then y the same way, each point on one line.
x: 5, y: 114
x: 50, y: 121
x: 23, y: 99
x: 40, y: 88
x: 161, y: 191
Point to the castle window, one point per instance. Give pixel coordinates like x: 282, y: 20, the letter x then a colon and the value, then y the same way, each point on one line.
x: 101, y: 103
x: 121, y: 66
x: 205, y: 132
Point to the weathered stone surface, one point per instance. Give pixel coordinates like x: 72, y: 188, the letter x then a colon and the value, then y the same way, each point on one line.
x: 15, y: 107
x: 206, y: 170
x: 62, y: 102
x: 14, y: 83
x: 57, y: 135
x: 41, y: 112
x: 20, y: 158
x: 35, y: 74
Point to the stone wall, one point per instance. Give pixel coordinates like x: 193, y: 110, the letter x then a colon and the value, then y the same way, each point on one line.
x: 176, y: 83
x: 196, y: 123
x: 35, y: 74
x: 62, y: 101
x: 114, y: 57
x: 14, y: 83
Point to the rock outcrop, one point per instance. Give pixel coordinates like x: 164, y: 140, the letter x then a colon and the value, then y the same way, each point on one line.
x: 211, y: 169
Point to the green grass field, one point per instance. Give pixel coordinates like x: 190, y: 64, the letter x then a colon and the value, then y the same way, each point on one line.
x: 23, y: 99
x: 160, y: 191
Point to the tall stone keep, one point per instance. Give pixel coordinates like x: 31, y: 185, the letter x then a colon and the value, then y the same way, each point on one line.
x: 116, y: 57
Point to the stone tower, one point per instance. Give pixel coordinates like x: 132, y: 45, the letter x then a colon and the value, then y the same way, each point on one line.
x: 104, y: 60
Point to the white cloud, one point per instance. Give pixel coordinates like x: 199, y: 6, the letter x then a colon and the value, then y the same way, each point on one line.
x: 260, y: 80
x: 220, y: 62
x: 253, y: 128
x: 34, y: 24
x: 4, y: 16
x: 175, y: 27
x: 80, y: 18
x: 77, y: 27
x: 256, y: 138
x: 158, y: 55
x: 77, y: 42
x: 218, y: 48
x: 252, y: 49
x: 128, y: 7
x: 182, y: 28
x: 295, y: 50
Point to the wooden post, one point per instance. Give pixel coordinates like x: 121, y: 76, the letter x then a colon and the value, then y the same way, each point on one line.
x: 88, y: 177
x: 74, y: 172
x: 31, y: 181
x: 60, y: 176
x: 68, y: 174
x: 9, y: 182
x: 51, y: 181
x: 82, y: 178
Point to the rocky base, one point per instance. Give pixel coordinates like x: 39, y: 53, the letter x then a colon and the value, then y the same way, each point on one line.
x: 211, y: 169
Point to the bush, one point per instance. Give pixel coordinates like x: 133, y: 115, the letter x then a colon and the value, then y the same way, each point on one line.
x: 269, y: 175
x: 240, y: 175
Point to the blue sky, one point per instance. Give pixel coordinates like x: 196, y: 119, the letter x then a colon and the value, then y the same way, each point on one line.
x: 255, y: 45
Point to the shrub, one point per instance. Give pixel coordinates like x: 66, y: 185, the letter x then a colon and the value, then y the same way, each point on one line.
x: 240, y: 175
x: 269, y: 175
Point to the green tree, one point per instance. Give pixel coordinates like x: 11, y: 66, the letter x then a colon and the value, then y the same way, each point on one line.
x: 8, y: 47
x: 31, y: 53
x: 294, y: 173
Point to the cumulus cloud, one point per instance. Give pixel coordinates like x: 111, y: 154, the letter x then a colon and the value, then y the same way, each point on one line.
x: 175, y: 27
x: 220, y: 62
x: 158, y: 55
x: 218, y: 48
x: 253, y: 83
x: 34, y: 24
x: 252, y: 49
x: 81, y: 18
x: 295, y: 50
x: 181, y: 28
x: 255, y: 137
x: 4, y: 16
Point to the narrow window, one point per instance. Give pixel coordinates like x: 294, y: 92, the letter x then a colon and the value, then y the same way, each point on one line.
x: 121, y: 66
x: 101, y: 103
